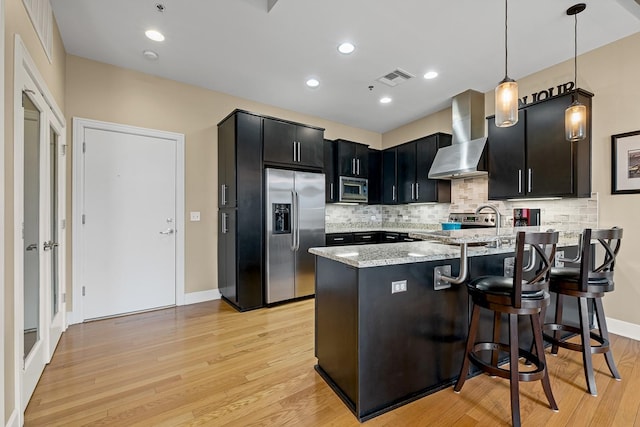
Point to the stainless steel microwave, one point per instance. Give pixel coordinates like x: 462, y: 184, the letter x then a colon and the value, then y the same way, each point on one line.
x: 354, y: 190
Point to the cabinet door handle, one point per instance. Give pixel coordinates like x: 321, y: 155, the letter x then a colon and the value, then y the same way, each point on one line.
x: 294, y: 152
x: 519, y: 180
x: 530, y: 179
x: 353, y: 166
x: 224, y: 223
x: 299, y: 156
x: 417, y: 190
x: 413, y: 186
x: 331, y: 191
x: 338, y: 239
x: 223, y: 192
x: 393, y: 192
x: 358, y: 167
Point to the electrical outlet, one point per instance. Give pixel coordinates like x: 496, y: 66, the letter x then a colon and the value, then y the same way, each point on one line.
x: 194, y: 216
x: 399, y: 286
x: 559, y: 256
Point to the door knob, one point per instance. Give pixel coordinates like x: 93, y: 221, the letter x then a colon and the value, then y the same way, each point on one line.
x: 47, y: 246
x: 32, y: 247
x: 168, y: 231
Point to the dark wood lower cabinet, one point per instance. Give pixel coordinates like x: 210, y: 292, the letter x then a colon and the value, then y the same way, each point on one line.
x: 378, y: 349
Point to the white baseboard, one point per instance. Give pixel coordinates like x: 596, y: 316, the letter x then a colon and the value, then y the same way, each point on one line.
x: 202, y: 296
x: 626, y: 329
x: 13, y: 419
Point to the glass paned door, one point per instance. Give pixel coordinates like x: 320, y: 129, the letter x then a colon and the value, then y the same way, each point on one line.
x: 31, y: 291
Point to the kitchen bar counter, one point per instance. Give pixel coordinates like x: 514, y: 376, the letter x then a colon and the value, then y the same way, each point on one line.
x: 436, y: 245
x: 387, y: 332
x: 364, y: 256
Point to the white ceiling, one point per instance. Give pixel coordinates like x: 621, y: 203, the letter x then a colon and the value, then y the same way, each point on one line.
x: 237, y: 47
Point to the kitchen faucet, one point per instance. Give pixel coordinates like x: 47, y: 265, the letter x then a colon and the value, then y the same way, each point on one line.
x: 498, y: 218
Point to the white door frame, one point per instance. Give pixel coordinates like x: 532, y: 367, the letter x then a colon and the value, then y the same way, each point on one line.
x: 26, y: 72
x: 2, y: 269
x: 79, y: 126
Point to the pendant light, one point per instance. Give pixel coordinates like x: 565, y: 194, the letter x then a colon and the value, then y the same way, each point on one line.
x: 575, y: 116
x: 507, y: 90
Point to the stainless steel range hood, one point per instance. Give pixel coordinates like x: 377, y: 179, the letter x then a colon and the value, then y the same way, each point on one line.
x: 466, y: 156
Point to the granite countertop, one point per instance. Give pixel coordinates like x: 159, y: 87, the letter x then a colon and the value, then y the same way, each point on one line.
x: 435, y: 245
x: 363, y: 256
x: 506, y: 235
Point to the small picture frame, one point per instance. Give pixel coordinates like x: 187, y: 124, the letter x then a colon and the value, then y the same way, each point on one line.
x: 625, y: 163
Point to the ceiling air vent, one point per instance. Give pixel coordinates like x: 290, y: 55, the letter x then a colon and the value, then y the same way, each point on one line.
x: 395, y: 77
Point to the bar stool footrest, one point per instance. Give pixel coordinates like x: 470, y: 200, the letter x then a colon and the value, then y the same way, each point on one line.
x: 603, y: 346
x: 532, y: 375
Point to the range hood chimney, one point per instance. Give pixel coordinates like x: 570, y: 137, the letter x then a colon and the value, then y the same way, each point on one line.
x: 465, y: 157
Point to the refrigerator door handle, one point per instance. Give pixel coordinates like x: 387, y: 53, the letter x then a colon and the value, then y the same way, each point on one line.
x: 294, y: 220
x: 297, y: 213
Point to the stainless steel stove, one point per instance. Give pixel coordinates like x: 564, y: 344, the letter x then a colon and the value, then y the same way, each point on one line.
x: 473, y: 220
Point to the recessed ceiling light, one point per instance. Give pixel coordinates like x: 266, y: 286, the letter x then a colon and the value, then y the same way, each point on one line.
x: 430, y: 75
x: 149, y: 54
x: 313, y: 82
x: 154, y: 35
x: 385, y: 100
x: 346, y: 48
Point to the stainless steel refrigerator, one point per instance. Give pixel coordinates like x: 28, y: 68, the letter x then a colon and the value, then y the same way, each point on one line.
x: 295, y: 203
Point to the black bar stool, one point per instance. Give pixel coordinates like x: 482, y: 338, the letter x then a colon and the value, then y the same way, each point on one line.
x: 587, y: 282
x: 524, y: 294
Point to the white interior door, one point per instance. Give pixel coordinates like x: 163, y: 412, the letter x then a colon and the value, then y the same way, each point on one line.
x: 128, y: 222
x: 55, y: 308
x: 33, y: 218
x: 39, y: 217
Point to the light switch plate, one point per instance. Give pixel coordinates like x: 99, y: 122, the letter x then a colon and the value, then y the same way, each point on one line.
x: 194, y: 216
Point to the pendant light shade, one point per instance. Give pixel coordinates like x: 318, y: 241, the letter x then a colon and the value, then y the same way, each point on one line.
x: 575, y: 121
x: 507, y: 103
x: 507, y: 90
x: 575, y: 116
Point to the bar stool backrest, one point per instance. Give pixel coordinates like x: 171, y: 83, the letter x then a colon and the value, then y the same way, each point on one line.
x: 599, y: 269
x: 542, y: 247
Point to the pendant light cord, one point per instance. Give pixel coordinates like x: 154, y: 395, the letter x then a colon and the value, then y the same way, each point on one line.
x: 575, y: 56
x: 506, y: 54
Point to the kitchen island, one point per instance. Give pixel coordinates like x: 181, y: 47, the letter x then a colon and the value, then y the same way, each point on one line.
x: 385, y: 335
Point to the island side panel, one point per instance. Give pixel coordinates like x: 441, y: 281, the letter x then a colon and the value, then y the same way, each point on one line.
x: 411, y: 342
x: 337, y: 325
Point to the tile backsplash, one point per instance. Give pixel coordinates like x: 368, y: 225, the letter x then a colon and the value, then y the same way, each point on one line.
x: 467, y: 194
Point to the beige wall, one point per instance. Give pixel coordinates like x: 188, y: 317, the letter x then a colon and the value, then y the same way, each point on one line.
x: 103, y: 92
x: 437, y: 122
x: 17, y: 22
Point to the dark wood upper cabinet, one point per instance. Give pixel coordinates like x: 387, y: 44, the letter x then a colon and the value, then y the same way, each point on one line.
x: 533, y: 158
x: 292, y: 144
x: 375, y: 177
x: 389, y: 176
x: 353, y: 159
x: 330, y: 175
x: 413, y: 161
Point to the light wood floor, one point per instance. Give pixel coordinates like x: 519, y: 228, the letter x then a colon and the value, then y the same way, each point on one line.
x: 208, y: 365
